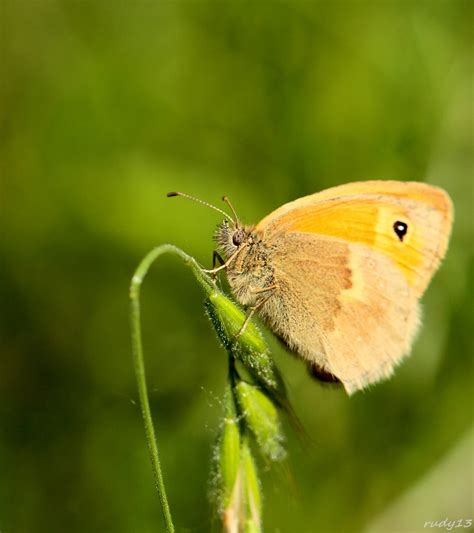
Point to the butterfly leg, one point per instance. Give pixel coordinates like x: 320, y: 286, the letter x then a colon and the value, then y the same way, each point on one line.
x: 224, y: 264
x: 216, y: 258
x: 255, y: 307
x: 246, y: 321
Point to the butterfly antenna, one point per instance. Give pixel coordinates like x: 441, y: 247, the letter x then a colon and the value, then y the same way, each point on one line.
x: 227, y: 201
x: 171, y: 194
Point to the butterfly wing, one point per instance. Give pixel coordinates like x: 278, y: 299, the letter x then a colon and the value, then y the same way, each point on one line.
x: 349, y: 284
x: 366, y: 212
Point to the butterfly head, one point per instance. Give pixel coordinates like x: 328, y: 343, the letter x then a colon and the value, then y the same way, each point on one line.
x: 230, y: 236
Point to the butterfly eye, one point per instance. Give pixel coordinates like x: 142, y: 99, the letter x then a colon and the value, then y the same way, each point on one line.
x: 238, y: 237
x: 400, y: 229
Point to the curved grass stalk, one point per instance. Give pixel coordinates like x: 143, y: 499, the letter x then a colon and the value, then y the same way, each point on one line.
x: 137, y: 348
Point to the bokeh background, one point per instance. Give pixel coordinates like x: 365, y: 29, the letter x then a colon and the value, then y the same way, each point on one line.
x: 105, y: 107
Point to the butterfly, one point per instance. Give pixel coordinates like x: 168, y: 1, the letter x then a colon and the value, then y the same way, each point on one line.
x: 338, y: 275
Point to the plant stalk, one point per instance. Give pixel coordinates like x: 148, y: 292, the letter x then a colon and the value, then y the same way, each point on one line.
x: 137, y: 349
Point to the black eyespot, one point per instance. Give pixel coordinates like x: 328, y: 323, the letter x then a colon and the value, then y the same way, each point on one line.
x: 400, y: 229
x: 238, y: 237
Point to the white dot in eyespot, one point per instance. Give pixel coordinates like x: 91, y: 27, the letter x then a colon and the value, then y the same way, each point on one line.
x: 400, y: 229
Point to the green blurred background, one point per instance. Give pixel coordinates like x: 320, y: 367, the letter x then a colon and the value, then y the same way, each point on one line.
x: 105, y: 107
